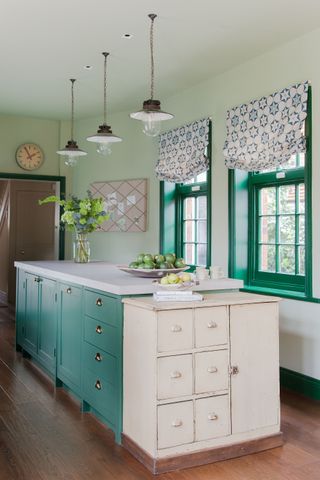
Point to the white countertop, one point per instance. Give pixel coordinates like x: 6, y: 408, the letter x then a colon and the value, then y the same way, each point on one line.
x: 107, y: 277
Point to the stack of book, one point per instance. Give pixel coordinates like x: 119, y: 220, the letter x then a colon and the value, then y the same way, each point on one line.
x: 177, y: 296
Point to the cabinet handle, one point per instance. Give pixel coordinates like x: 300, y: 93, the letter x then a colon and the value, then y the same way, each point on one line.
x: 212, y: 416
x: 177, y: 423
x: 99, y: 302
x: 212, y: 370
x: 98, y: 385
x: 176, y: 374
x: 176, y: 328
x: 99, y: 329
x: 37, y: 279
x: 69, y: 290
x: 234, y: 370
x: 98, y: 357
x: 212, y: 324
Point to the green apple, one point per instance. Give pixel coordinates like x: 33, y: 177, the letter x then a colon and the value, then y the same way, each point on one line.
x: 170, y: 257
x: 141, y: 265
x: 180, y: 263
x: 185, y: 277
x: 134, y: 265
x: 159, y: 258
x: 164, y: 280
x: 164, y: 265
x: 148, y: 258
x: 173, y: 278
x: 140, y: 258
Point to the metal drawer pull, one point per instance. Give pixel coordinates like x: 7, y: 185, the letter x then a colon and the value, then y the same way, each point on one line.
x: 176, y: 374
x: 37, y: 279
x: 177, y: 423
x: 69, y: 290
x: 234, y: 370
x: 98, y: 385
x: 212, y: 416
x: 176, y: 328
x: 212, y: 324
x: 99, y: 329
x: 212, y: 370
x: 99, y: 302
x: 98, y: 357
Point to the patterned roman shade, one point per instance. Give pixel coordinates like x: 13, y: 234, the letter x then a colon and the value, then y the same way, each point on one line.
x: 182, y: 152
x: 265, y: 133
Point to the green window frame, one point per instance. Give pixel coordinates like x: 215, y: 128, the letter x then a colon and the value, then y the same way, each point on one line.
x: 174, y: 201
x: 246, y: 216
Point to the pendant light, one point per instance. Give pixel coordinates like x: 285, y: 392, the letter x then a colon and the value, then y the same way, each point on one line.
x: 71, y: 151
x: 104, y: 136
x: 151, y: 115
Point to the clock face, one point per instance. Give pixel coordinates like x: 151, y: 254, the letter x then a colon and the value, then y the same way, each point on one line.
x: 29, y: 156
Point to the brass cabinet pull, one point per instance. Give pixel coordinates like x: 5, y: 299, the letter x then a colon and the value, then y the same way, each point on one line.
x: 98, y: 385
x: 212, y: 370
x: 37, y: 279
x: 98, y: 357
x: 176, y: 374
x: 69, y: 290
x: 177, y: 423
x: 99, y: 329
x: 234, y: 370
x: 99, y: 302
x: 176, y: 328
x: 212, y: 324
x: 212, y: 416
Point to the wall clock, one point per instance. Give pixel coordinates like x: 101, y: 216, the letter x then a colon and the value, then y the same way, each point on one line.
x: 29, y: 156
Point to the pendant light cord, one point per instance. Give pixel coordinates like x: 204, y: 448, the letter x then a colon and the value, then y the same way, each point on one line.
x: 105, y: 54
x: 72, y: 80
x: 152, y: 16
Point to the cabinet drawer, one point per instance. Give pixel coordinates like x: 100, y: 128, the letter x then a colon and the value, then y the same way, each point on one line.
x: 100, y: 363
x: 174, y: 376
x: 175, y: 424
x: 211, y: 371
x: 100, y: 307
x: 212, y: 417
x: 101, y: 335
x: 211, y: 326
x: 101, y: 395
x: 175, y: 330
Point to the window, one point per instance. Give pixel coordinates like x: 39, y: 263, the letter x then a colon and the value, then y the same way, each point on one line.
x: 185, y: 213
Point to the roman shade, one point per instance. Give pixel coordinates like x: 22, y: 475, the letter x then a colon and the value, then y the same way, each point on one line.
x: 182, y: 152
x: 265, y: 133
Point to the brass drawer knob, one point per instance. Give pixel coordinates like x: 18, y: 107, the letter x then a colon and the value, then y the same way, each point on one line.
x: 212, y: 370
x: 212, y: 416
x: 98, y: 385
x: 99, y: 329
x: 69, y: 290
x: 99, y: 302
x: 176, y: 328
x: 98, y: 357
x: 212, y: 324
x: 176, y: 374
x: 177, y: 423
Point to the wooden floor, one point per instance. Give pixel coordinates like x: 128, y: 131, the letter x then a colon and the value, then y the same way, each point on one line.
x: 44, y: 436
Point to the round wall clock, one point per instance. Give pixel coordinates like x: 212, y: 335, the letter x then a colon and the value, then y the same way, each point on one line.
x: 29, y: 156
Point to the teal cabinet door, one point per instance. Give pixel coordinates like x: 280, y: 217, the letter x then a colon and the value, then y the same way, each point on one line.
x: 31, y: 319
x: 20, y: 307
x: 47, y: 336
x: 70, y: 336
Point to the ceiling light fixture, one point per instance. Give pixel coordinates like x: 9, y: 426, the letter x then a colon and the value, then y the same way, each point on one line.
x: 151, y: 115
x: 71, y: 151
x: 104, y: 136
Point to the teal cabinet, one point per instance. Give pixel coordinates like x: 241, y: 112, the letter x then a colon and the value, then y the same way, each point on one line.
x: 31, y: 320
x: 70, y: 336
x: 47, y: 326
x: 20, y: 307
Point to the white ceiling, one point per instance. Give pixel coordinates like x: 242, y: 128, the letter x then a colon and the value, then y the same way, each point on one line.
x: 44, y: 43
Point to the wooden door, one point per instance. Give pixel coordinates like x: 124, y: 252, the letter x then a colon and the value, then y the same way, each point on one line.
x: 47, y: 324
x: 255, y: 351
x: 31, y: 319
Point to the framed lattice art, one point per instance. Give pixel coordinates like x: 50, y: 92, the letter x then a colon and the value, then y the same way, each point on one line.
x: 126, y: 202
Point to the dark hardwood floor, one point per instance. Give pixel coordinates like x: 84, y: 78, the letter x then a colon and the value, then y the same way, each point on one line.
x: 44, y: 436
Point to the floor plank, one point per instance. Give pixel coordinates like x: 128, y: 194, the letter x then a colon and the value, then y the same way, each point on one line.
x: 44, y: 436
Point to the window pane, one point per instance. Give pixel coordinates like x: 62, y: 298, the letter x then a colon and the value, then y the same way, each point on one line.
x: 287, y: 259
x: 202, y: 207
x: 292, y: 163
x: 301, y: 193
x: 202, y: 177
x: 189, y: 231
x: 267, y: 230
x: 287, y: 199
x: 301, y: 260
x: 189, y: 207
x: 202, y: 231
x: 268, y: 201
x: 302, y: 229
x: 301, y: 159
x: 189, y: 253
x: 267, y: 258
x: 287, y: 224
x: 202, y: 255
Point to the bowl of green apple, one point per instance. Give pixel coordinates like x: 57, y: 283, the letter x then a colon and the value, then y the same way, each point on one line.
x: 155, y: 266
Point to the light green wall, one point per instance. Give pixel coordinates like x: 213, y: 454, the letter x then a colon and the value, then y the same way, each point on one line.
x: 136, y: 157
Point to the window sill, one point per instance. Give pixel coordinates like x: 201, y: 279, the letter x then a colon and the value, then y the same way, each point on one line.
x: 280, y: 293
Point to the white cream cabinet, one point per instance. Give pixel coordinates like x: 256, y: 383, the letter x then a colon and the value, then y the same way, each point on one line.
x: 201, y: 380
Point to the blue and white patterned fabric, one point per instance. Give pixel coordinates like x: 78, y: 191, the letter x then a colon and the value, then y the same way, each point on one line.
x: 182, y: 152
x: 267, y: 132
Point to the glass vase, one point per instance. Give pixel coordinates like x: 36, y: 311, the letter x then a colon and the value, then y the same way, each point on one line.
x: 81, y: 248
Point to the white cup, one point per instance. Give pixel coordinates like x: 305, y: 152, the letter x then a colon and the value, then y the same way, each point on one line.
x: 216, y: 272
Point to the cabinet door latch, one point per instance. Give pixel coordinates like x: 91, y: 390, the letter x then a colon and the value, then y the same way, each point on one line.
x: 234, y: 370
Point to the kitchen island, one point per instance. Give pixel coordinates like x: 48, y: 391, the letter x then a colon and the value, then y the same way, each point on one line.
x: 69, y: 319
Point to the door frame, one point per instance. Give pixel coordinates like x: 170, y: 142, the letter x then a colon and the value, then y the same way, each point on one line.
x: 49, y: 178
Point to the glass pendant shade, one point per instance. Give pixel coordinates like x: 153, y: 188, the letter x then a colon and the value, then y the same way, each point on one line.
x: 71, y: 151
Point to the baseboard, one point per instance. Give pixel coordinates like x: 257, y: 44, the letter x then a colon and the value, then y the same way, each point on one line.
x: 308, y: 386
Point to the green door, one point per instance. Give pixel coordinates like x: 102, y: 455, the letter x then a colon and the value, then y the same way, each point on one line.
x: 47, y: 323
x: 69, y: 336
x: 31, y: 320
